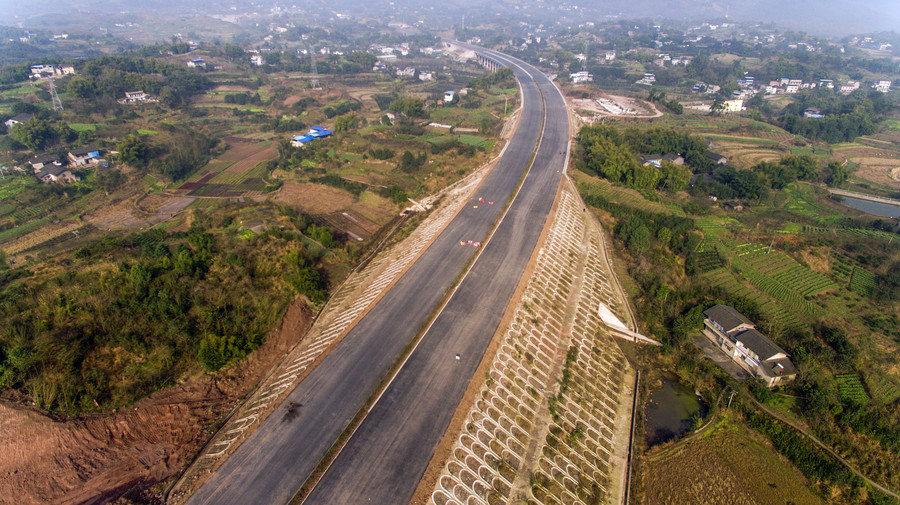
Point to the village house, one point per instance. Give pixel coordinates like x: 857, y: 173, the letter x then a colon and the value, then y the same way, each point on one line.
x: 39, y: 162
x: 883, y: 86
x: 657, y: 159
x: 813, y: 112
x: 315, y: 132
x: 849, y: 87
x: 647, y: 80
x: 717, y: 158
x: 136, y: 96
x: 17, y: 119
x: 83, y: 156
x: 580, y: 77
x: 56, y: 173
x: 737, y: 337
x: 733, y: 105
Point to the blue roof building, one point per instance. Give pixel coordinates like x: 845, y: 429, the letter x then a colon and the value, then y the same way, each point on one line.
x: 314, y: 132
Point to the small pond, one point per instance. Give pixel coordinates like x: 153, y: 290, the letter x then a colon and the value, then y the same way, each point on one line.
x: 670, y: 412
x: 876, y: 208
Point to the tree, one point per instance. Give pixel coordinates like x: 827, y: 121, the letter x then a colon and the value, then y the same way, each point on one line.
x: 639, y: 241
x: 408, y: 106
x: 804, y: 166
x: 411, y: 163
x: 836, y: 174
x: 674, y: 178
x: 345, y: 123
x: 364, y: 59
x: 35, y: 134
x: 65, y: 133
x: 133, y: 151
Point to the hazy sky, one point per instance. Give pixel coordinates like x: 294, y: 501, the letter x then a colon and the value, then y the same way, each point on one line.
x: 820, y: 17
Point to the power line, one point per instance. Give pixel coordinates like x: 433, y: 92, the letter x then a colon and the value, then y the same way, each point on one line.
x: 314, y: 82
x: 57, y: 103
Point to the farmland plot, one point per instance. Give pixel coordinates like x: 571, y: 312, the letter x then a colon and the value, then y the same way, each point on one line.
x: 726, y: 466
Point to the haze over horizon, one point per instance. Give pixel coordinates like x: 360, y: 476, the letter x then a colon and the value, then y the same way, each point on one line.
x: 829, y: 17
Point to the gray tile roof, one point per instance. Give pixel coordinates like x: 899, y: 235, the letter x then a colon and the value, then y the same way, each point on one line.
x: 726, y: 317
x: 759, y: 344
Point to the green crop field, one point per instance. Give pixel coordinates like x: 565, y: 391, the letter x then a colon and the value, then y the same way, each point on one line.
x: 784, y: 269
x: 862, y: 281
x: 12, y: 186
x: 773, y: 310
x: 713, y: 225
x: 851, y: 388
x: 841, y: 268
x: 626, y: 197
x: 708, y: 261
x: 480, y: 142
x: 22, y: 230
x: 884, y: 389
x: 83, y: 127
x: 817, y: 151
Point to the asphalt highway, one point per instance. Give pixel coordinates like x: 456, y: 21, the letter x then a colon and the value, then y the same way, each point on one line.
x: 387, y: 456
x: 275, y: 460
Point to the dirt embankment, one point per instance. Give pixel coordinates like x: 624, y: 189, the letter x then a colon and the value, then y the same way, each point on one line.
x: 96, y: 458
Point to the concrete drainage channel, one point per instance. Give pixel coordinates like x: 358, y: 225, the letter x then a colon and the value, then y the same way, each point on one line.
x: 552, y: 409
x: 351, y: 301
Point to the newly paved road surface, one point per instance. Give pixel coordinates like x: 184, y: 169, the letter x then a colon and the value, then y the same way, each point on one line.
x: 387, y: 456
x: 270, y: 466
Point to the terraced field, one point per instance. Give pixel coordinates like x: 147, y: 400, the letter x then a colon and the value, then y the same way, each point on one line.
x: 627, y: 197
x: 862, y: 281
x: 715, y: 225
x: 773, y: 311
x: 238, y: 172
x: 543, y: 429
x: 784, y: 269
x: 884, y: 389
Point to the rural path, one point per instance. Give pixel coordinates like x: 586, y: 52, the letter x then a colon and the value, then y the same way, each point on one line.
x: 827, y: 449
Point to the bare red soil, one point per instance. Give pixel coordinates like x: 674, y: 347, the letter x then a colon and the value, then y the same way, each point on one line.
x: 97, y: 458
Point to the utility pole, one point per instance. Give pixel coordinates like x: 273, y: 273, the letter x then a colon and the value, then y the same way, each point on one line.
x: 57, y: 103
x: 314, y: 81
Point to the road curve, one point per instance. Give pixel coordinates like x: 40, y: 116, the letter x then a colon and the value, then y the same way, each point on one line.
x: 386, y: 457
x: 274, y: 461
